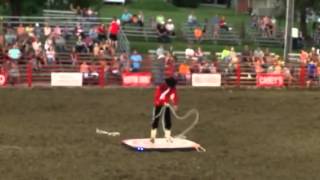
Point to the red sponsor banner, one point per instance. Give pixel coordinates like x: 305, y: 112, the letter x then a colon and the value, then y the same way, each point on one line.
x: 270, y: 80
x: 137, y: 79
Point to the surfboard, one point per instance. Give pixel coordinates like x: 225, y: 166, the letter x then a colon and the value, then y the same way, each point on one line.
x: 161, y: 144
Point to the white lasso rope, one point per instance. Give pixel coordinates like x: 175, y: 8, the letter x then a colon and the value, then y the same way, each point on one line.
x: 181, y: 135
x: 100, y: 131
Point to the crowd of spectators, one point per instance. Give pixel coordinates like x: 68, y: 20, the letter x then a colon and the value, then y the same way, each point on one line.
x: 265, y: 24
x: 311, y: 61
x: 211, y: 27
x: 184, y: 63
x: 42, y: 45
x: 254, y: 62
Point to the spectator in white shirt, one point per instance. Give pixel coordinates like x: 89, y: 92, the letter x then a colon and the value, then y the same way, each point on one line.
x: 170, y: 27
x: 189, y: 53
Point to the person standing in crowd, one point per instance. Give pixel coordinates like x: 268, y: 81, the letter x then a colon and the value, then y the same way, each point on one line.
x: 135, y: 59
x: 113, y: 31
x: 165, y: 94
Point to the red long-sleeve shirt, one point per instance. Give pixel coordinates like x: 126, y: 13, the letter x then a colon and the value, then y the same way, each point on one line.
x: 164, y: 94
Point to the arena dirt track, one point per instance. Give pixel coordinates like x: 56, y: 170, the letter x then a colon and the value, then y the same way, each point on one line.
x: 49, y: 134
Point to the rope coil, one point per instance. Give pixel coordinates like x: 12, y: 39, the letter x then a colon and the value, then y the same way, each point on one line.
x: 181, y: 135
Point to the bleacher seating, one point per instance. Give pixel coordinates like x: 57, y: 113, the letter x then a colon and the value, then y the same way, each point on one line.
x: 225, y: 37
x: 147, y: 32
x: 260, y: 40
x: 179, y: 55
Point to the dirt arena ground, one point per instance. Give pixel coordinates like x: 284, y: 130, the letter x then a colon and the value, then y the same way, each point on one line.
x: 49, y: 134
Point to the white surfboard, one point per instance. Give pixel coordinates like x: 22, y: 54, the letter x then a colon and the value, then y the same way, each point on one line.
x: 161, y: 144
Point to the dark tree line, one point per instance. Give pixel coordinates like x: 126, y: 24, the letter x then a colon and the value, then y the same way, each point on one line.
x: 31, y: 7
x: 301, y: 7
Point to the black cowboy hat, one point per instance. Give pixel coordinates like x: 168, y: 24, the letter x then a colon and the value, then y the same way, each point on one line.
x: 171, y: 82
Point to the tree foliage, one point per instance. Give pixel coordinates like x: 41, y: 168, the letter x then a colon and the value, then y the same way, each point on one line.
x: 301, y: 6
x: 186, y: 3
x: 31, y: 7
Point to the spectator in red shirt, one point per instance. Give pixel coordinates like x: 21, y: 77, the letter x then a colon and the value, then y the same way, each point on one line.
x: 101, y: 32
x: 113, y: 32
x: 165, y: 94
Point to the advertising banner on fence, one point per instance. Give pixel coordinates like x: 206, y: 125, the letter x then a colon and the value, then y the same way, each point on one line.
x: 206, y: 80
x: 270, y: 80
x: 66, y: 79
x: 3, y: 79
x: 137, y: 79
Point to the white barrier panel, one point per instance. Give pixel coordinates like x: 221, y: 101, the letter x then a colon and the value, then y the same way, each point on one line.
x: 206, y: 80
x: 66, y: 79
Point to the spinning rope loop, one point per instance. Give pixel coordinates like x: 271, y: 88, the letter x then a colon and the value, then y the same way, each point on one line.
x: 181, y: 135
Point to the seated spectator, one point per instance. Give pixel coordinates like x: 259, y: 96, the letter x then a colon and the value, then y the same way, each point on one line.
x: 21, y: 31
x: 170, y: 27
x: 304, y: 56
x: 163, y: 35
x: 74, y: 56
x: 51, y: 56
x: 47, y: 30
x: 37, y: 47
x: 66, y: 33
x: 254, y: 21
x: 48, y: 43
x: 160, y: 52
x: 312, y: 72
x: 30, y: 30
x: 85, y: 70
x: 60, y: 44
x: 223, y: 24
x: 93, y: 34
x: 199, y: 54
x: 189, y: 53
x: 313, y: 55
x: 81, y: 46
x: 96, y: 49
x: 124, y: 62
x: 126, y: 16
x: 101, y: 32
x: 160, y: 19
x: 136, y: 60
x: 225, y: 55
x: 140, y: 19
x: 38, y: 31
x: 79, y: 30
x: 207, y: 67
x: 14, y: 53
x: 258, y: 53
x: 93, y: 71
x: 258, y: 64
x: 57, y: 31
x: 198, y: 33
x: 192, y: 19
x: 184, y: 72
x: 246, y: 54
x: 10, y: 37
x: 115, y: 67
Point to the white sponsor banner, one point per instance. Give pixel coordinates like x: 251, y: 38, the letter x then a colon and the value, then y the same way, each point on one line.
x: 66, y: 79
x: 206, y: 80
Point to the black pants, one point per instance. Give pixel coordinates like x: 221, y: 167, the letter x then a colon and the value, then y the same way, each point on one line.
x: 167, y: 117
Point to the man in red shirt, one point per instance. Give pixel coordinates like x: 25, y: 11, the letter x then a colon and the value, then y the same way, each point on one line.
x: 164, y: 95
x: 113, y: 31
